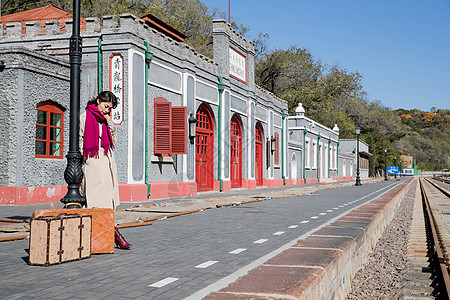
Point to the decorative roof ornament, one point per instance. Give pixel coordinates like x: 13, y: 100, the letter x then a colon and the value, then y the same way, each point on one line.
x: 336, y: 128
x: 300, y: 111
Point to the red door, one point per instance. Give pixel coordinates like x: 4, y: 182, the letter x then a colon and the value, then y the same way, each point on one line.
x: 258, y: 155
x: 236, y: 153
x: 204, y: 147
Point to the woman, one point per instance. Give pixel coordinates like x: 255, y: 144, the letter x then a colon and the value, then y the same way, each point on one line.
x: 97, y: 139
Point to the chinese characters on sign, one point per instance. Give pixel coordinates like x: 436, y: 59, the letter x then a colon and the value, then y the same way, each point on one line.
x: 116, y: 85
x: 238, y: 65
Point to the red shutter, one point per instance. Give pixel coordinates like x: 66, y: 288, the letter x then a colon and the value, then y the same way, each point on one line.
x: 178, y: 128
x: 162, y: 126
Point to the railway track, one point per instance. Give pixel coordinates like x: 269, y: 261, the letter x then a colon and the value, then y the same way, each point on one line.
x: 436, y: 216
x: 444, y: 181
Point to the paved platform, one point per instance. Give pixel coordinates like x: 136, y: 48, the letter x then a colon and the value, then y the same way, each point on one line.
x: 144, y: 213
x: 193, y: 255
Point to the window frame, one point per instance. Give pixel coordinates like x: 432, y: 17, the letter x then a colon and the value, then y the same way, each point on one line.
x: 308, y: 153
x: 335, y: 157
x: 314, y: 154
x: 49, y: 108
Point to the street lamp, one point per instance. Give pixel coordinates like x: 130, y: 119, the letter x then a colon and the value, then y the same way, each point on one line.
x: 385, y: 165
x: 73, y: 173
x: 272, y: 144
x: 395, y: 164
x: 192, y: 127
x: 358, y: 180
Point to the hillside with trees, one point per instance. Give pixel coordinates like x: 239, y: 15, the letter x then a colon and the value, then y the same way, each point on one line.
x: 330, y: 94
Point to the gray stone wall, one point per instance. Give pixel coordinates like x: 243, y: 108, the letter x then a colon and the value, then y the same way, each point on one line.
x: 9, y: 79
x: 28, y: 79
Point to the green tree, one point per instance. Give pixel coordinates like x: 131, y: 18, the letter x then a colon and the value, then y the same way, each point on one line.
x: 188, y: 16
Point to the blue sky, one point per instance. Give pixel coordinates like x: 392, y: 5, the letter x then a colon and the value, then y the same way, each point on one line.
x: 400, y: 47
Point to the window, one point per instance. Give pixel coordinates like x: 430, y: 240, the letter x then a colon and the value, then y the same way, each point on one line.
x: 276, y: 157
x: 314, y: 156
x: 307, y: 153
x: 49, y: 131
x: 336, y: 157
x: 333, y: 158
x: 170, y: 126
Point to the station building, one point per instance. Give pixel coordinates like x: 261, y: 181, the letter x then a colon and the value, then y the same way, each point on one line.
x: 186, y: 123
x: 348, y: 147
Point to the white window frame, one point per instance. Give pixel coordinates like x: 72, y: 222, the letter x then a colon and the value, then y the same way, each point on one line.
x: 334, y: 158
x: 308, y: 153
x: 314, y: 154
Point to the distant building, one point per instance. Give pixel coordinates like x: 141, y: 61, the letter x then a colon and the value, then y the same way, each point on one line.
x: 347, y: 148
x: 47, y: 14
x: 313, y: 149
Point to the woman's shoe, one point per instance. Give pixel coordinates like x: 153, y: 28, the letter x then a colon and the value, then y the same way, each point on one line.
x: 120, y: 241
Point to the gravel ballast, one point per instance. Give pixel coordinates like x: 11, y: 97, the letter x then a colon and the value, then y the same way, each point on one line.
x: 381, y: 277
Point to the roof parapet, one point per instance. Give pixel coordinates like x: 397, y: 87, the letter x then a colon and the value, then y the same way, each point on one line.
x: 110, y: 24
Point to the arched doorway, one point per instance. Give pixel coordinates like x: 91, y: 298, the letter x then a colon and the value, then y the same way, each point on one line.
x: 258, y: 155
x: 204, y: 150
x: 236, y: 152
x: 294, y: 168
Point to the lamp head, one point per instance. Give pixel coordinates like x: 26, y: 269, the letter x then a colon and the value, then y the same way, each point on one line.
x: 192, y: 126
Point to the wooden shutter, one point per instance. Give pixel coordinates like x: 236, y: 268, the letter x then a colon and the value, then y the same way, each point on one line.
x: 162, y: 122
x: 277, y: 150
x: 178, y: 130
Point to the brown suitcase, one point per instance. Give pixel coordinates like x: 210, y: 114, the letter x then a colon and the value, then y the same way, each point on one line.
x: 102, y: 238
x: 54, y: 240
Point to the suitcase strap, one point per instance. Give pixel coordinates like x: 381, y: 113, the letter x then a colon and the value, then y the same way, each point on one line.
x: 47, y: 255
x: 61, y: 251
x: 81, y: 226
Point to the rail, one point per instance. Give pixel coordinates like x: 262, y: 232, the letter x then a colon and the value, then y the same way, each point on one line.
x: 435, y: 241
x: 442, y: 179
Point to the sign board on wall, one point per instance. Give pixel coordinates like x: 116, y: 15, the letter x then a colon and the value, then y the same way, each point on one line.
x: 238, y: 65
x: 116, y: 85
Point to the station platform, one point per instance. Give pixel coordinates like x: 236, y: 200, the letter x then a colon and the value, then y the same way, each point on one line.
x: 319, y: 264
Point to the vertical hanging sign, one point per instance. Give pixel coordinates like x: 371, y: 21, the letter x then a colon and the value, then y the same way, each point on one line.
x: 116, y: 85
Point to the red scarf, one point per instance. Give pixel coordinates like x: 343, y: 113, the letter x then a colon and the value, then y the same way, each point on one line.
x: 91, y: 133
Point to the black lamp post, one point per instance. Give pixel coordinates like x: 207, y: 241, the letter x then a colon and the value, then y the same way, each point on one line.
x: 385, y: 165
x: 395, y: 164
x: 358, y: 180
x: 73, y: 173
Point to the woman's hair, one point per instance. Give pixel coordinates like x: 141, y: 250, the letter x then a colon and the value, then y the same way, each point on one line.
x: 105, y: 96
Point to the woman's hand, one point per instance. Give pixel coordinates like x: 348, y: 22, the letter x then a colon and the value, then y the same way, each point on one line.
x: 108, y: 116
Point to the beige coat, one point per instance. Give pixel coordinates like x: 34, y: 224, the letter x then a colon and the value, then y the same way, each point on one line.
x: 100, y: 184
